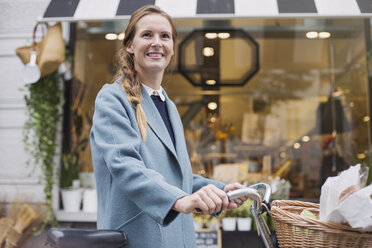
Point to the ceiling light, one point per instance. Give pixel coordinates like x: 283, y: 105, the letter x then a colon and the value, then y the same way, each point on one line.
x: 208, y: 51
x: 121, y: 36
x: 111, y: 36
x: 324, y: 35
x: 366, y: 118
x: 212, y: 106
x: 210, y: 82
x: 296, y: 145
x: 312, y: 35
x: 223, y: 35
x: 211, y: 35
x: 306, y: 138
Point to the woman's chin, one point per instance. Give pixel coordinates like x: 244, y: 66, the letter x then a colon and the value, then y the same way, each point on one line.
x: 156, y: 67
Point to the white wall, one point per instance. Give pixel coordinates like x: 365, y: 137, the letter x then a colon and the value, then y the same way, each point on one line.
x: 18, y: 182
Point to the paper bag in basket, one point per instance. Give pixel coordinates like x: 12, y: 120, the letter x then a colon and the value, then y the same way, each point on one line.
x: 50, y: 50
x: 355, y: 209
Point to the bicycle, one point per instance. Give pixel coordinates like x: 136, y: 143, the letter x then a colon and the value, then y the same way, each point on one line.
x: 77, y: 238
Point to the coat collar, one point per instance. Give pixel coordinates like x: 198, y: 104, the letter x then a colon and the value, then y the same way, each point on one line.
x: 150, y: 91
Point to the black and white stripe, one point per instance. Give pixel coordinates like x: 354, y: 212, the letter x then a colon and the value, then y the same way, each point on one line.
x: 75, y: 10
x: 297, y: 6
x: 215, y: 7
x: 127, y: 7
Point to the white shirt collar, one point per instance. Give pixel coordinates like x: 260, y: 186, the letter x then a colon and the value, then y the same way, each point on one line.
x: 158, y: 92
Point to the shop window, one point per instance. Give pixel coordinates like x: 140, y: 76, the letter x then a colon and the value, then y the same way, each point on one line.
x: 303, y: 116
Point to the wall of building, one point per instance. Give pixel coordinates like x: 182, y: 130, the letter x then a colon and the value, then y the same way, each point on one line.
x: 18, y: 182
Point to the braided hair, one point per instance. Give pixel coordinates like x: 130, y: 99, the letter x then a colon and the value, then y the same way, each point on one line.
x: 130, y: 82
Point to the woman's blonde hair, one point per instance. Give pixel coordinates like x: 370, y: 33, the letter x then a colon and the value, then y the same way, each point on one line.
x: 130, y: 81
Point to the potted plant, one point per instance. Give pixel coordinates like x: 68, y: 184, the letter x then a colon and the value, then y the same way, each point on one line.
x: 70, y: 183
x: 244, y: 219
x: 229, y: 220
x: 198, y: 221
x: 213, y: 223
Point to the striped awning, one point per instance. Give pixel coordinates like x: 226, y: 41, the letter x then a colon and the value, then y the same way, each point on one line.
x: 101, y: 10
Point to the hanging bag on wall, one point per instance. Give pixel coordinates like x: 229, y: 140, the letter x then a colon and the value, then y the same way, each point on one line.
x: 24, y: 52
x: 50, y: 50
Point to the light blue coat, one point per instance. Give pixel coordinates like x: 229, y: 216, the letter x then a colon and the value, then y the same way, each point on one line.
x: 138, y: 182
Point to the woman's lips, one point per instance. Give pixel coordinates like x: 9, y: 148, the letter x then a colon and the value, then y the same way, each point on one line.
x: 155, y: 55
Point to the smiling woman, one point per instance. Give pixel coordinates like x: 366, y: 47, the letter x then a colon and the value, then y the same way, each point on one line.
x: 143, y: 173
x: 152, y: 46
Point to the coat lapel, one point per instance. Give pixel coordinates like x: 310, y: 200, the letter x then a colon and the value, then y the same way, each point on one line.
x: 176, y: 125
x: 178, y: 131
x: 156, y: 123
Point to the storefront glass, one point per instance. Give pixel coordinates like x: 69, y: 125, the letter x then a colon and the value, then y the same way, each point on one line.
x: 303, y: 116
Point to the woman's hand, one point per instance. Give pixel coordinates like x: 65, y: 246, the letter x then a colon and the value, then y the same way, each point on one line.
x: 208, y: 199
x: 235, y: 203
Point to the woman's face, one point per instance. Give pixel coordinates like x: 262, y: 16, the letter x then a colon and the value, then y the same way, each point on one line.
x: 152, y: 44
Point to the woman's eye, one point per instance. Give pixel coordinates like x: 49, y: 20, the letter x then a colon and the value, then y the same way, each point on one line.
x: 146, y: 35
x: 165, y: 36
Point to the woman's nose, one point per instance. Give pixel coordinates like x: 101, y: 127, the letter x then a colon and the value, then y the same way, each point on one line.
x: 156, y: 42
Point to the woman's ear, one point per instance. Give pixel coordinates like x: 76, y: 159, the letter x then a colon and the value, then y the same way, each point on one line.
x: 129, y: 48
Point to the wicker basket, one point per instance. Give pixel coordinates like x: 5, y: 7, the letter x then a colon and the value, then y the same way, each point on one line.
x: 293, y: 230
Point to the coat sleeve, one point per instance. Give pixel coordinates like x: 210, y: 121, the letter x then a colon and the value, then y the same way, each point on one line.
x: 199, y: 182
x: 119, y: 143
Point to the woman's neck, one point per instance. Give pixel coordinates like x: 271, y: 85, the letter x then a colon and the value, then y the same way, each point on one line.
x: 153, y: 80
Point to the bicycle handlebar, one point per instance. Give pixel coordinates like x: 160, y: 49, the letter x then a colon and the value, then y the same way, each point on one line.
x: 245, y: 192
x: 253, y: 191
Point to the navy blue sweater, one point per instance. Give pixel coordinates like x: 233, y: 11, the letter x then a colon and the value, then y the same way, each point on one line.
x: 161, y: 106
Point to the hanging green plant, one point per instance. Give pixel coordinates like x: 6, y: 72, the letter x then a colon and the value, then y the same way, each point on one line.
x: 44, y: 104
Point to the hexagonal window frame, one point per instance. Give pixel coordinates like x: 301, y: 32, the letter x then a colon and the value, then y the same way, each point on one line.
x: 235, y: 33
